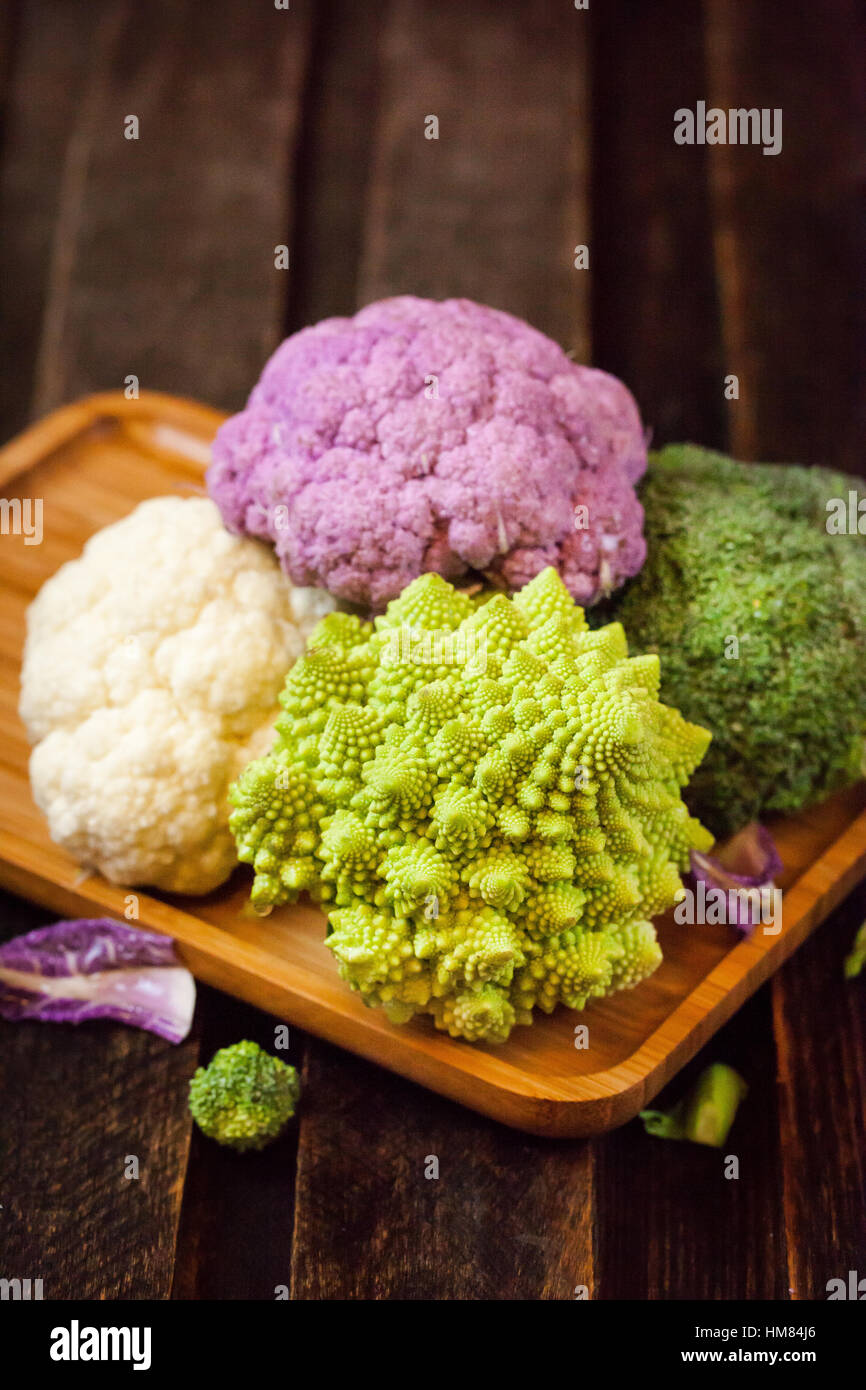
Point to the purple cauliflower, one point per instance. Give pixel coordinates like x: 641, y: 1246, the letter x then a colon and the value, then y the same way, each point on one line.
x: 424, y: 436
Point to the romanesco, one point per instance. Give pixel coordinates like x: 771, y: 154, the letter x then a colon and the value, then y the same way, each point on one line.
x: 245, y: 1097
x: 484, y: 799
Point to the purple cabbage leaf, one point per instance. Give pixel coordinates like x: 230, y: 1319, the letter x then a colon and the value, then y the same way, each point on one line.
x: 745, y: 868
x: 96, y: 967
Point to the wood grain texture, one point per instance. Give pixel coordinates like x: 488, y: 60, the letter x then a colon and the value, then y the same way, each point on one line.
x: 491, y: 210
x: 819, y: 1022
x: 670, y: 1224
x: 789, y: 248
x: 77, y: 1101
x: 494, y: 207
x: 788, y: 228
x: 163, y: 256
x: 235, y: 1235
x: 97, y: 1093
x: 508, y: 1216
x: 332, y: 170
x: 655, y: 313
x: 48, y: 46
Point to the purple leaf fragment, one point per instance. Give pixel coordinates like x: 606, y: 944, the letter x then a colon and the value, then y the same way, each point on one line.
x: 96, y: 967
x: 743, y: 869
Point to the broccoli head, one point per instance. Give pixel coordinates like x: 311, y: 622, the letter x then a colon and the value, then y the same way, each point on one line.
x: 245, y: 1097
x: 484, y: 797
x: 757, y: 608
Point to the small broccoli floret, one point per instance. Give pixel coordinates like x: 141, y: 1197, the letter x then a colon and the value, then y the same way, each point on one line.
x: 245, y: 1097
x: 755, y: 600
x: 491, y: 809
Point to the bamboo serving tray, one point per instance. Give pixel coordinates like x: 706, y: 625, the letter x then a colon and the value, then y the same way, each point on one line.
x: 91, y: 463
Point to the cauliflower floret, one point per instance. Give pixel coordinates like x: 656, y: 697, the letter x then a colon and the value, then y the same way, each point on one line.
x: 448, y: 437
x: 150, y: 678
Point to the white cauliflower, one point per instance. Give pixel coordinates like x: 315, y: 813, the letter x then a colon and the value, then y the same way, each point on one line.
x: 150, y: 679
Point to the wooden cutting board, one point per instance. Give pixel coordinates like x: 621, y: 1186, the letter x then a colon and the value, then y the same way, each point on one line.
x: 91, y: 463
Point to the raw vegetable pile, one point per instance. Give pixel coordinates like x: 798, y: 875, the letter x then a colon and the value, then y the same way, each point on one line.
x: 488, y: 799
x: 489, y: 825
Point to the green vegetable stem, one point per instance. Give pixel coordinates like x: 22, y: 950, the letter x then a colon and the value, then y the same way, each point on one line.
x: 856, y: 958
x: 706, y: 1113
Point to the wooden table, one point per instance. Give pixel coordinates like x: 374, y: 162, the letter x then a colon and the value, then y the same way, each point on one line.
x: 261, y: 127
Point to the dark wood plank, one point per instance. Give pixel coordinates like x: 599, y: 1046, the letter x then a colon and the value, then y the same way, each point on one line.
x: 47, y: 51
x: 76, y: 1102
x: 10, y: 23
x: 655, y: 313
x: 789, y: 252
x: 670, y: 1224
x: 236, y: 1230
x: 789, y: 229
x: 332, y: 170
x: 163, y: 257
x: 820, y: 1027
x: 509, y: 1216
x: 491, y: 210
x: 235, y: 1235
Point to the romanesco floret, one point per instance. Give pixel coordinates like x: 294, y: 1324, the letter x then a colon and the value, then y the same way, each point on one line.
x: 245, y: 1097
x: 484, y: 799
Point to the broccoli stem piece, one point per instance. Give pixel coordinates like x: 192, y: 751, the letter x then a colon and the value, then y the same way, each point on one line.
x: 856, y: 958
x: 706, y: 1113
